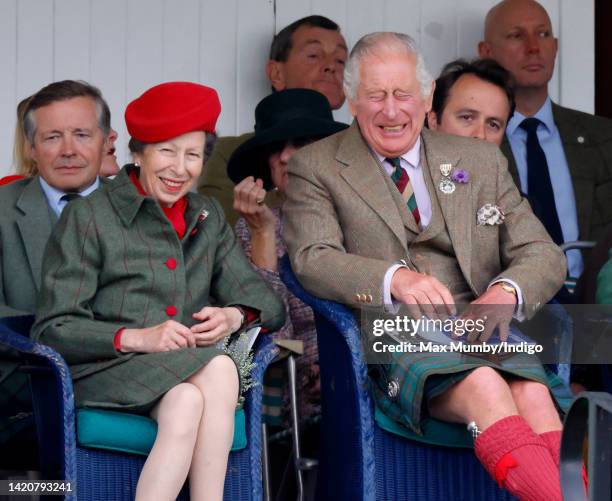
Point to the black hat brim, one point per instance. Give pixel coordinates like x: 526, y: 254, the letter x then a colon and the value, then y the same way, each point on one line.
x: 251, y: 157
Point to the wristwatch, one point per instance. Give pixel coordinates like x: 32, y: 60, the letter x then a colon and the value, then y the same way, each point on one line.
x: 508, y: 287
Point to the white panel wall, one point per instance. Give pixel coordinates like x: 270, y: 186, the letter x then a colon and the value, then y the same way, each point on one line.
x: 126, y: 46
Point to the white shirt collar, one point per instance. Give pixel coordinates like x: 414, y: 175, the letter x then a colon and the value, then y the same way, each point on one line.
x: 412, y: 156
x: 544, y: 114
x: 53, y: 195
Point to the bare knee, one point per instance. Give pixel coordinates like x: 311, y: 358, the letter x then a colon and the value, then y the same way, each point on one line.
x: 483, y: 395
x: 486, y: 383
x: 527, y: 392
x: 218, y: 380
x: 180, y: 410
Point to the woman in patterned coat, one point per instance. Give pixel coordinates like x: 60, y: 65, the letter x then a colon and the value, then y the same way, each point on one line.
x: 284, y: 122
x: 130, y: 277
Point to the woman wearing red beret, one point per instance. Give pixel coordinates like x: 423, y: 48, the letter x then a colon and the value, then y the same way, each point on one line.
x: 129, y: 278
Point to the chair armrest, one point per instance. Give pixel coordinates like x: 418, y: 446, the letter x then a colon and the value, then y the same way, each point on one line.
x: 52, y: 398
x: 340, y: 316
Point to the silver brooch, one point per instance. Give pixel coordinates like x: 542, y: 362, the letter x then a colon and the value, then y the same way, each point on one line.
x: 472, y: 427
x: 393, y: 389
x: 446, y: 185
x: 203, y: 215
x: 446, y: 169
x: 490, y: 215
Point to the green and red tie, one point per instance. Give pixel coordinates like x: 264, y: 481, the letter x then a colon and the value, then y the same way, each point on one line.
x: 402, y: 181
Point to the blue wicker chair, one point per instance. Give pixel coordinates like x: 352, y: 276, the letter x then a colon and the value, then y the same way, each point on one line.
x: 358, y: 459
x: 109, y: 475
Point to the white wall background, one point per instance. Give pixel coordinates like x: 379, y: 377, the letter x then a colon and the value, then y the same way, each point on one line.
x: 126, y: 46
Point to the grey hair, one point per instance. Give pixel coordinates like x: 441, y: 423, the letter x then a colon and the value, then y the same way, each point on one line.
x: 384, y: 40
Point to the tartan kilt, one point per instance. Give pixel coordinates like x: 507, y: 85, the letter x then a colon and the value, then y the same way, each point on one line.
x: 137, y: 384
x: 422, y: 376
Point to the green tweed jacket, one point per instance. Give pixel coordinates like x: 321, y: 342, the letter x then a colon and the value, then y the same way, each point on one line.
x: 114, y: 260
x: 587, y: 142
x: 25, y: 226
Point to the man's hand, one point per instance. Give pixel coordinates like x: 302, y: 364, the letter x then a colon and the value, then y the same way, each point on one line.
x: 424, y: 295
x: 249, y: 195
x: 216, y: 323
x: 167, y: 336
x: 496, y: 307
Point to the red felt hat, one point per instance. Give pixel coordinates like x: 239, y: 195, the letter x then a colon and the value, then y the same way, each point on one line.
x: 171, y: 109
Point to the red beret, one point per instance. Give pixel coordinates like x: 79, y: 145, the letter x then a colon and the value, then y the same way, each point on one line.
x: 171, y: 109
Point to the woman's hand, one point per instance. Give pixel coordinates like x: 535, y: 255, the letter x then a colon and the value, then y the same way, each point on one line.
x: 248, y: 202
x: 249, y: 195
x: 216, y: 323
x: 167, y: 336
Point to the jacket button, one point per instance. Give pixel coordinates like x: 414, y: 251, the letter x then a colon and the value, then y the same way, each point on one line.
x: 171, y: 310
x: 171, y: 263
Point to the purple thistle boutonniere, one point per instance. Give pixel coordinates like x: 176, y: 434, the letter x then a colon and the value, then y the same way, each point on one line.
x: 461, y: 176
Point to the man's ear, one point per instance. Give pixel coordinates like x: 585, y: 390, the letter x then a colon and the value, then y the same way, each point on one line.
x: 484, y: 50
x: 109, y: 142
x: 432, y: 120
x: 275, y: 71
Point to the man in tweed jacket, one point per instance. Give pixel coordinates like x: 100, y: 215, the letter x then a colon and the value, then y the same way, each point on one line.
x: 347, y: 228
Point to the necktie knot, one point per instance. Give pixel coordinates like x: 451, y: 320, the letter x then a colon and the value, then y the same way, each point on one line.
x: 395, y: 161
x: 530, y: 125
x: 69, y: 197
x: 397, y: 168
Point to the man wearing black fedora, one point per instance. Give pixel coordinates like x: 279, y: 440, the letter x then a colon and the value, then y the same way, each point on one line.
x: 308, y: 54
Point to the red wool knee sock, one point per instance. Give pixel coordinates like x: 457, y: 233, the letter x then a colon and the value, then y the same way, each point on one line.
x: 519, y: 460
x: 552, y: 439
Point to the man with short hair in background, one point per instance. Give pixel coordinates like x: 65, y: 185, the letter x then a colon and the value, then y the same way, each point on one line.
x: 310, y: 53
x: 561, y: 158
x: 473, y: 99
x: 67, y: 126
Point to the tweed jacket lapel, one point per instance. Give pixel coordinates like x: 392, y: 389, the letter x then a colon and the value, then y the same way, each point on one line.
x: 34, y: 225
x: 369, y: 180
x: 455, y: 207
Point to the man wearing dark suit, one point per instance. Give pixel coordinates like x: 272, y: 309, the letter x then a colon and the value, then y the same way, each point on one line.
x: 308, y: 54
x: 577, y: 146
x: 67, y: 126
x: 386, y: 213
